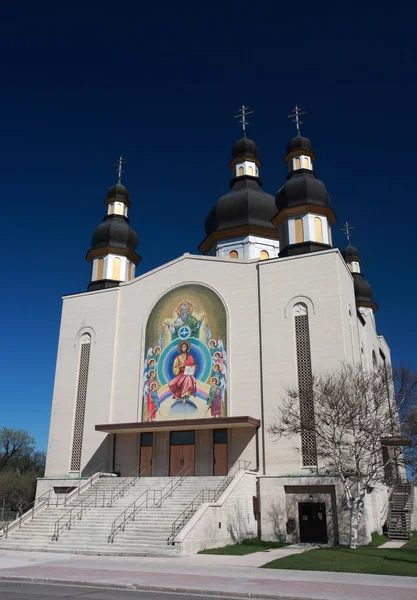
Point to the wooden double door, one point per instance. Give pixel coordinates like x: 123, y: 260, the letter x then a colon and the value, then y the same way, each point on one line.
x: 181, y: 453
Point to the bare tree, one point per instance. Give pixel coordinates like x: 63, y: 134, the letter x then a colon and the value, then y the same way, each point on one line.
x: 352, y: 411
x: 14, y: 444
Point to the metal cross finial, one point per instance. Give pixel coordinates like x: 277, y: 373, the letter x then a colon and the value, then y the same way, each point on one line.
x: 243, y: 112
x: 119, y: 169
x: 346, y: 230
x: 295, y: 116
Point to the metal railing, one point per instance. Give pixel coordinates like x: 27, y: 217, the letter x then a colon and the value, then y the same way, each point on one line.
x: 206, y: 495
x: 77, y: 512
x: 124, y: 485
x: 44, y: 500
x: 148, y: 499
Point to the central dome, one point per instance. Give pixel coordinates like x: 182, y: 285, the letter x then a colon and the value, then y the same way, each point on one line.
x: 118, y: 191
x: 245, y: 204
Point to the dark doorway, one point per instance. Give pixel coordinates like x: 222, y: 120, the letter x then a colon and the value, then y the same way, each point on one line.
x: 181, y: 452
x: 220, y: 452
x: 146, y: 444
x: 312, y: 519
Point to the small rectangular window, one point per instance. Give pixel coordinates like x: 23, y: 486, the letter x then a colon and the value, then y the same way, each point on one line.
x: 182, y: 438
x: 220, y: 436
x: 146, y: 439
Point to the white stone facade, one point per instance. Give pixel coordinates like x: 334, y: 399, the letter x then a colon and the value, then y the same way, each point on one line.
x: 259, y: 297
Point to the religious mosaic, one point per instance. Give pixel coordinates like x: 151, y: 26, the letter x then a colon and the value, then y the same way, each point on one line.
x: 185, y: 363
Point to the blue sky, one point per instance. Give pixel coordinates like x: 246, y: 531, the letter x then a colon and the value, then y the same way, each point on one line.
x: 84, y: 81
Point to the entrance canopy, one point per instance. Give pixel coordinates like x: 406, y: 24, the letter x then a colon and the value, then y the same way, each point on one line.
x: 180, y: 425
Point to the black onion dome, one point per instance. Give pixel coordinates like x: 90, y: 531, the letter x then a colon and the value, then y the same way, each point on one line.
x: 245, y: 147
x: 115, y: 232
x: 118, y: 191
x: 351, y: 254
x: 299, y: 143
x: 302, y: 188
x: 363, y: 290
x: 245, y: 204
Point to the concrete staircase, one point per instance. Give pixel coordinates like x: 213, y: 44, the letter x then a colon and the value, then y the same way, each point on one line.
x: 146, y: 535
x: 400, y: 510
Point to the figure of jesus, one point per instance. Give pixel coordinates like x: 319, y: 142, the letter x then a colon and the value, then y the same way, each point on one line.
x: 184, y: 383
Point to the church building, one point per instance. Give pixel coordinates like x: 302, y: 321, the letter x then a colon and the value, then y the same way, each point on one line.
x: 174, y: 375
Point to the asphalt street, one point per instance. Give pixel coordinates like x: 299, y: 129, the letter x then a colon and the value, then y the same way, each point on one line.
x: 39, y: 591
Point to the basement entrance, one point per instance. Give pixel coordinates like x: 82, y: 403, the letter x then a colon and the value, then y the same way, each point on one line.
x: 312, y: 519
x: 182, y: 444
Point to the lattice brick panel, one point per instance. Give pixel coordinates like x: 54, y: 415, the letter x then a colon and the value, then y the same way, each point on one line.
x: 305, y: 387
x: 77, y: 438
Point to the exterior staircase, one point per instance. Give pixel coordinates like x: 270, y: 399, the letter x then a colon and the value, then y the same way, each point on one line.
x: 90, y: 517
x: 400, y: 510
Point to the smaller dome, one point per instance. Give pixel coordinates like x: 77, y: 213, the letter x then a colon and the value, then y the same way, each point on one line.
x: 302, y: 188
x: 299, y: 143
x: 119, y: 191
x: 363, y: 292
x: 245, y: 147
x: 115, y: 232
x: 351, y: 254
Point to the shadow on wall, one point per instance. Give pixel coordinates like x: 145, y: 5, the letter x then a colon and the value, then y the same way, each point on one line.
x: 240, y: 524
x: 99, y: 461
x: 275, y: 517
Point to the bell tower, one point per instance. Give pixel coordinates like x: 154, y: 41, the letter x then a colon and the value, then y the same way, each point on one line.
x: 304, y: 209
x: 112, y: 255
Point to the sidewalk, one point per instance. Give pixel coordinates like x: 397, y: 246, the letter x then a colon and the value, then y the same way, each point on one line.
x: 203, y: 573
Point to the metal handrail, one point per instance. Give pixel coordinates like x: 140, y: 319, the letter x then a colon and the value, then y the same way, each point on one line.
x: 124, y: 485
x: 172, y: 484
x: 95, y: 474
x: 45, y: 500
x: 125, y: 516
x: 76, y: 513
x: 206, y: 495
x: 119, y: 523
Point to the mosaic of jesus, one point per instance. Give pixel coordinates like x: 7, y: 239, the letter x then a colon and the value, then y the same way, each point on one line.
x: 185, y: 362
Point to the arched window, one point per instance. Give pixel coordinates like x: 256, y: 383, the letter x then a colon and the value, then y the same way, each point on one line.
x: 374, y: 361
x: 305, y: 385
x: 299, y: 231
x: 297, y: 163
x: 240, y: 171
x: 130, y: 271
x: 250, y: 171
x: 125, y: 211
x: 116, y: 269
x: 264, y: 255
x: 233, y: 254
x: 100, y: 268
x: 318, y: 229
x: 78, y: 431
x: 111, y: 209
x: 306, y: 162
x: 119, y: 209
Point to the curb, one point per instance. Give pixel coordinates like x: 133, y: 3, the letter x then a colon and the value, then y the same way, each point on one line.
x: 133, y: 587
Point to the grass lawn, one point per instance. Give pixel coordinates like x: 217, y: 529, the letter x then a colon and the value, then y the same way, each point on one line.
x: 366, y: 559
x: 378, y: 539
x: 245, y: 547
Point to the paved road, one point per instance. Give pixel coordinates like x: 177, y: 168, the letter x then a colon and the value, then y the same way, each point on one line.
x: 41, y: 591
x: 202, y: 575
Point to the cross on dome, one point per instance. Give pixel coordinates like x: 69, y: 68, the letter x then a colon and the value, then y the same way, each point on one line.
x: 295, y: 117
x: 243, y: 112
x: 119, y: 169
x: 346, y: 230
